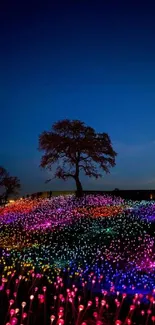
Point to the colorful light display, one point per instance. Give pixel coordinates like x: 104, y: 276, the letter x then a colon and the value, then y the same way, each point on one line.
x: 65, y: 262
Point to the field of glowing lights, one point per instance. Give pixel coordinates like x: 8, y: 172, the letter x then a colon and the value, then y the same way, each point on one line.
x: 65, y: 261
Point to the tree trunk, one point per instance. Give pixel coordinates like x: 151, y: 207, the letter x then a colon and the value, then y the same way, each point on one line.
x: 79, y: 189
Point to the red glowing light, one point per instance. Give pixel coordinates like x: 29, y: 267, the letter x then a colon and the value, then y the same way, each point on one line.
x: 128, y: 321
x: 60, y: 322
x: 89, y: 303
x: 24, y: 315
x: 81, y: 307
x: 95, y: 314
x: 132, y: 307
x: 52, y: 318
x: 118, y: 322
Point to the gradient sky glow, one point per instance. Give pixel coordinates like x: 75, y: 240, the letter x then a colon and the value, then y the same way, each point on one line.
x: 88, y: 60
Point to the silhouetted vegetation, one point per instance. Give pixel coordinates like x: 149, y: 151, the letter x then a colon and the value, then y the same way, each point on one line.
x: 76, y: 147
x: 8, y: 185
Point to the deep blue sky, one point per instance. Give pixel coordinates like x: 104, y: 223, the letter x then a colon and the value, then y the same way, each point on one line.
x: 88, y: 60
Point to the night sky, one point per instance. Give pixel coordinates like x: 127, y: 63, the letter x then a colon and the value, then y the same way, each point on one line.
x: 88, y: 60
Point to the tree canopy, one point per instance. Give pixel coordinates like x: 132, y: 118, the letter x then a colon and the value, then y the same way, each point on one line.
x: 8, y: 184
x: 76, y: 147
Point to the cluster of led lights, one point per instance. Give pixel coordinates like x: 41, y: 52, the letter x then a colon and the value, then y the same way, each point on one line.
x: 91, y: 264
x: 32, y: 299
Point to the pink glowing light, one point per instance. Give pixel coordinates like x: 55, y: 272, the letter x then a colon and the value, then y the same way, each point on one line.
x: 24, y: 315
x: 89, y: 303
x: 52, y: 318
x: 81, y: 307
x: 118, y: 322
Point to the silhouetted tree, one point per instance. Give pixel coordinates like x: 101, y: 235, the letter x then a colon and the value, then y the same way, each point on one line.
x: 3, y: 175
x: 11, y: 185
x: 8, y: 184
x: 76, y: 147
